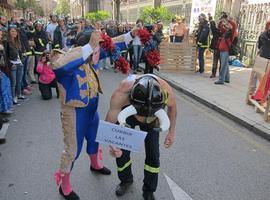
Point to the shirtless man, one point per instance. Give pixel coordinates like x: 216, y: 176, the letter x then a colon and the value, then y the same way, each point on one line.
x: 140, y: 100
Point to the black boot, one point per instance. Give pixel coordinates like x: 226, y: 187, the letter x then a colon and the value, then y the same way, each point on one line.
x: 71, y: 196
x: 122, y: 188
x: 148, y: 196
x: 104, y: 170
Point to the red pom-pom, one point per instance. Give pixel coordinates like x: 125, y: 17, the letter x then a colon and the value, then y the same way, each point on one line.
x: 144, y: 35
x: 107, y: 43
x: 122, y: 64
x: 153, y: 58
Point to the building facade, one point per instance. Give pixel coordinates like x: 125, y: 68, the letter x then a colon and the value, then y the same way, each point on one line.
x: 7, y: 7
x: 130, y: 10
x: 80, y: 7
x: 48, y: 6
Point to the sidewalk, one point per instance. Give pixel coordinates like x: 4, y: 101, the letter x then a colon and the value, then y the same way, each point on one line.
x: 228, y: 99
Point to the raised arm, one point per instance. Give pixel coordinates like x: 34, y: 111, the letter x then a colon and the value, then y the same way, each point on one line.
x: 76, y: 57
x: 71, y: 60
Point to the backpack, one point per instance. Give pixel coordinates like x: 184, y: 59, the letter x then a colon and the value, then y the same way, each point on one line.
x: 234, y: 49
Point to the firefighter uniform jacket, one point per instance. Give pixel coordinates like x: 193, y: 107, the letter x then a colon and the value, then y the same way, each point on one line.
x: 41, y: 40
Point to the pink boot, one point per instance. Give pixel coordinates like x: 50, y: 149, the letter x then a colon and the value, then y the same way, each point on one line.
x: 96, y: 164
x: 63, y: 180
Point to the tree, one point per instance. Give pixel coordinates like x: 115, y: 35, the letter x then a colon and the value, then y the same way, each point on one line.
x: 63, y: 7
x: 117, y: 3
x: 29, y: 4
x: 157, y: 3
x: 150, y: 14
x: 100, y: 15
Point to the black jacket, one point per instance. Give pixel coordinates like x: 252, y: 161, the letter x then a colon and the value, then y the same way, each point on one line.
x: 264, y: 45
x: 57, y: 39
x: 202, y: 35
x: 216, y: 34
x: 41, y: 40
x: 13, y: 52
x: 158, y: 36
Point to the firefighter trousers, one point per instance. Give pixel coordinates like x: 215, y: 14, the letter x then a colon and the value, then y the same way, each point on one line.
x: 152, y: 163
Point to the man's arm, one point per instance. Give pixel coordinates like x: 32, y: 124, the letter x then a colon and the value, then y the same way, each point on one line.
x: 172, y: 114
x: 118, y: 100
x: 73, y: 59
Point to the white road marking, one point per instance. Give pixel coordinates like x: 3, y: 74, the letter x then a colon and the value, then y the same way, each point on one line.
x: 3, y: 131
x: 177, y: 192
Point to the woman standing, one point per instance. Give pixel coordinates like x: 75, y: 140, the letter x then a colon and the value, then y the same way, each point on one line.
x: 137, y: 48
x: 14, y: 55
x: 5, y: 89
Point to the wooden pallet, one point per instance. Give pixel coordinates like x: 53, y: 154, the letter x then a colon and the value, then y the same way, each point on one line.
x: 261, y: 66
x: 178, y: 56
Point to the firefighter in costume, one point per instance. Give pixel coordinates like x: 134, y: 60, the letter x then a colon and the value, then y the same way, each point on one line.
x: 140, y: 101
x: 79, y: 87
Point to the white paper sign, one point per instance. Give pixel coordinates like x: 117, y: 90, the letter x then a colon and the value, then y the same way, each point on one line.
x: 119, y: 136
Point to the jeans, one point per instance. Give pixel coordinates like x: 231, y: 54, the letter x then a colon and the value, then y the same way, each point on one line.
x: 224, y: 74
x: 171, y: 38
x: 31, y: 68
x: 201, y: 59
x: 24, y: 77
x: 137, y: 52
x: 16, y: 79
x: 216, y: 58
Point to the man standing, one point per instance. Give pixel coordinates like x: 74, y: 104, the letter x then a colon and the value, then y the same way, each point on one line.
x: 140, y: 100
x: 202, y: 40
x: 51, y: 27
x: 79, y: 89
x: 40, y: 39
x: 228, y: 29
x: 214, y: 45
x: 60, y: 35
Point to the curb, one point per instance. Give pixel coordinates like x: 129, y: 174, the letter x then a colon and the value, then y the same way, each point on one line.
x: 251, y: 127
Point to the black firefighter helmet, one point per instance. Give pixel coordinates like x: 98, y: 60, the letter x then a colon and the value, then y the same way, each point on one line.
x: 147, y: 96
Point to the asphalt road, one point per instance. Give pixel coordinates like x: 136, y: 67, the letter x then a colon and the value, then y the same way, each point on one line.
x: 212, y: 159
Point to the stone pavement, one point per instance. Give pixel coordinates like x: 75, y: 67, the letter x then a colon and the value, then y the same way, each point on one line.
x: 228, y: 99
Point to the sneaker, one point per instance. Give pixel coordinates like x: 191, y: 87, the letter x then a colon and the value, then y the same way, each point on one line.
x: 27, y: 92
x: 148, y: 196
x: 219, y: 83
x: 15, y: 100
x: 8, y: 112
x: 212, y: 76
x: 5, y: 120
x: 2, y: 140
x: 227, y: 81
x: 121, y: 188
x: 22, y: 97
